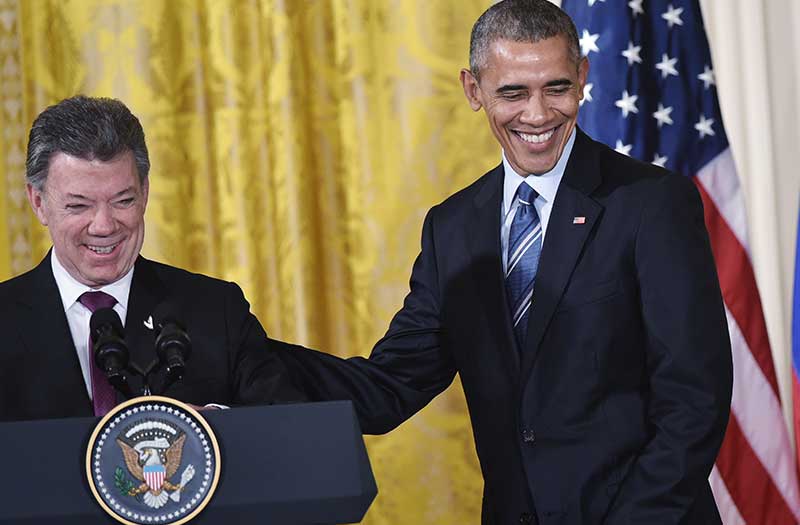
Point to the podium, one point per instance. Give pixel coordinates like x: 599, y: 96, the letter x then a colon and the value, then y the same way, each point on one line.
x: 281, y: 464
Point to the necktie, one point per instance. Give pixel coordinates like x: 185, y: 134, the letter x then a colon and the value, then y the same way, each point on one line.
x: 103, y: 396
x: 524, y: 248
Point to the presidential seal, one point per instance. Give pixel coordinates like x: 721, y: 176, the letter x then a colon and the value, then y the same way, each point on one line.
x: 153, y: 460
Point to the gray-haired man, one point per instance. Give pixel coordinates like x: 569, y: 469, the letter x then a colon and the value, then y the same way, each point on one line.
x: 87, y: 180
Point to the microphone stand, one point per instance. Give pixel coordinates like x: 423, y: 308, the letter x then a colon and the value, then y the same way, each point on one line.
x: 144, y: 374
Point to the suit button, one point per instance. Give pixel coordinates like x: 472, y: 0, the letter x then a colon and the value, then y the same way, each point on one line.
x: 525, y: 518
x: 527, y: 436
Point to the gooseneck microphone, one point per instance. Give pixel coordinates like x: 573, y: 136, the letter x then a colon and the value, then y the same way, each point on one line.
x: 173, y: 345
x: 110, y: 352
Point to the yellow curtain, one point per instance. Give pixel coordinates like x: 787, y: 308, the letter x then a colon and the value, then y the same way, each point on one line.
x: 296, y: 146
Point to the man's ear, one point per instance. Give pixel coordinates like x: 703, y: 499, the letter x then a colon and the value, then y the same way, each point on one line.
x: 146, y: 189
x: 471, y: 89
x: 36, y: 198
x: 583, y: 74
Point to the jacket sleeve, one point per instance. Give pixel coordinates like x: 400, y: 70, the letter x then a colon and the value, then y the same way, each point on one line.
x: 407, y: 368
x: 688, y: 359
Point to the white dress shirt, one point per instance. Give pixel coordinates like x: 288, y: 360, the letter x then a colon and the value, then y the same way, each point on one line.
x: 546, y: 185
x: 78, y: 315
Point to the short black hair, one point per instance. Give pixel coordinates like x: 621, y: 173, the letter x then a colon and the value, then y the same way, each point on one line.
x: 520, y: 21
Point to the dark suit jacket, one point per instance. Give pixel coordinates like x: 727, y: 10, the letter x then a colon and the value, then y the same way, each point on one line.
x: 231, y: 360
x: 616, y: 409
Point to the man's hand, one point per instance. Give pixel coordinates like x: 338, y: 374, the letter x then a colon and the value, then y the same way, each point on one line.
x: 210, y: 406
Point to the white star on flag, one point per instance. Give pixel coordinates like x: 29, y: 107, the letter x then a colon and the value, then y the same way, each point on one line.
x: 704, y: 126
x: 625, y: 149
x: 667, y: 66
x: 587, y: 93
x: 662, y: 115
x: 658, y: 160
x: 636, y: 7
x: 707, y: 76
x: 589, y: 43
x: 632, y: 54
x: 592, y: 2
x: 673, y: 16
x: 627, y: 104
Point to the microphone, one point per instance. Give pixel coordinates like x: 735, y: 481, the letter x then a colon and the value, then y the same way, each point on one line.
x: 110, y: 351
x: 173, y: 345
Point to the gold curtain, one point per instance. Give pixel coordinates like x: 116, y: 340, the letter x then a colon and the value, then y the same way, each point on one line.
x: 296, y: 146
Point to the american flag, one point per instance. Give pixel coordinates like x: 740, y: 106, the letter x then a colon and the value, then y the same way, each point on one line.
x: 796, y: 341
x: 651, y: 94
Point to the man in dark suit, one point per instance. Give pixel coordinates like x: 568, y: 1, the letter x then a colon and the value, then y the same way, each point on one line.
x: 574, y: 291
x: 87, y: 181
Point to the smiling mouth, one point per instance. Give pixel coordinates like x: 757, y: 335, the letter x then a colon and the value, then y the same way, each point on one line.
x: 533, y: 138
x: 102, y: 250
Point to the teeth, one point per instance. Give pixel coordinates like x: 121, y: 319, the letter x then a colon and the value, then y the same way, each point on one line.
x: 103, y: 250
x: 536, y: 139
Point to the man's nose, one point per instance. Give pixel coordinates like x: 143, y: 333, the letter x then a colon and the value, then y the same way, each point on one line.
x: 536, y: 111
x: 102, y: 221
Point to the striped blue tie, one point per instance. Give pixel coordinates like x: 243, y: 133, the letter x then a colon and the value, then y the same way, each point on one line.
x: 524, y: 248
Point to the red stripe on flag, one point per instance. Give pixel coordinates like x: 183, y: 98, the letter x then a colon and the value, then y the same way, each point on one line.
x: 758, y: 499
x: 739, y: 290
x: 796, y: 410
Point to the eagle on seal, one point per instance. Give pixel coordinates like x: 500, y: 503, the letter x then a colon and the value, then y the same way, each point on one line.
x: 153, y: 462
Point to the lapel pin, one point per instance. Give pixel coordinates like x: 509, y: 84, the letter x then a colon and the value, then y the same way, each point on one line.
x: 149, y: 322
x: 579, y: 220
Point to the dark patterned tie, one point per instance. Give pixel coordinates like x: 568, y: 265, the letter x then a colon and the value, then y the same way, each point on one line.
x: 524, y: 248
x: 103, y: 396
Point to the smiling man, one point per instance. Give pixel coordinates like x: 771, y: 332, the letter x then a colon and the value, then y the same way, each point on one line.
x: 574, y: 292
x: 87, y: 182
x: 531, y: 94
x: 95, y: 213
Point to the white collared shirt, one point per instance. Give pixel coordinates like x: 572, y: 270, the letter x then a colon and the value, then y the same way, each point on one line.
x: 546, y: 185
x: 78, y: 315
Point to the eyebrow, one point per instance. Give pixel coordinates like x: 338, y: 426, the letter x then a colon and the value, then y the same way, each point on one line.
x: 559, y: 82
x: 129, y: 189
x: 521, y: 87
x: 511, y: 87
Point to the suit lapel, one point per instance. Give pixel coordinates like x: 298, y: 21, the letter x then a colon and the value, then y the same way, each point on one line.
x: 564, y: 241
x: 147, y: 291
x: 487, y: 266
x: 45, y: 332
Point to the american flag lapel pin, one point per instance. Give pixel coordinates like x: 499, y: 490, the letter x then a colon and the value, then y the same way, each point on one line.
x: 579, y: 220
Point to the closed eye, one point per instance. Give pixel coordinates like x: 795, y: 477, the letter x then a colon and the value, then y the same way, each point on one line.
x: 559, y: 87
x: 558, y: 90
x: 512, y: 91
x: 125, y: 202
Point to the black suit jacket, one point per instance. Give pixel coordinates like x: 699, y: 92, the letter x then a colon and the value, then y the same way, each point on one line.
x: 616, y: 408
x: 231, y: 361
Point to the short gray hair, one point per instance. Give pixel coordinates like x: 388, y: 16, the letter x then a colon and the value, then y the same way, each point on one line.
x: 520, y: 21
x: 88, y: 128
